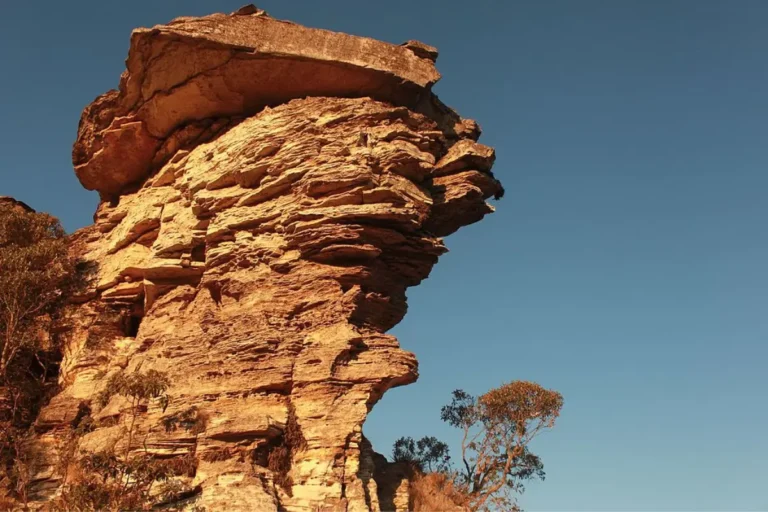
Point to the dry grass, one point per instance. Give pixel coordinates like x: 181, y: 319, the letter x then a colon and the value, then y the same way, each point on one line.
x: 436, y: 492
x: 281, y: 454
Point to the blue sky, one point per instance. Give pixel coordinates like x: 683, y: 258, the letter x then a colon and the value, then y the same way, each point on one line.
x: 625, y: 267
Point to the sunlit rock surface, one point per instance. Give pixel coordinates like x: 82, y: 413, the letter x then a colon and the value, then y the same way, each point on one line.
x: 269, y: 192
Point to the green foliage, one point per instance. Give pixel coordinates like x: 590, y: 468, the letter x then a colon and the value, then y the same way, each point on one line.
x: 497, y: 429
x: 428, y: 454
x: 138, y: 387
x: 462, y: 410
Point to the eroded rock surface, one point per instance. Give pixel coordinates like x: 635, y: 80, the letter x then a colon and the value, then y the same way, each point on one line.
x: 185, y: 81
x: 270, y: 191
x: 15, y: 203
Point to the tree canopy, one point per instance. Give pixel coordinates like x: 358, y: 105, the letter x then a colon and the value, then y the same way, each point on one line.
x: 428, y: 454
x: 497, y: 428
x: 35, y: 272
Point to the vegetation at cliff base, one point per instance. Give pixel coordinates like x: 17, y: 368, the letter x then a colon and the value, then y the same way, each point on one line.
x: 36, y: 273
x: 131, y: 478
x: 497, y: 428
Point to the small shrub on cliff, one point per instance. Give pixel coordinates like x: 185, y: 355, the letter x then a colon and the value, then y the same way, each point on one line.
x: 107, y: 480
x: 192, y: 420
x: 139, y: 388
x: 426, y: 455
x: 281, y: 454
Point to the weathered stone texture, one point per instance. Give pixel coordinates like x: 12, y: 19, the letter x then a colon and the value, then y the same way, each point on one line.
x: 303, y: 186
x: 15, y: 203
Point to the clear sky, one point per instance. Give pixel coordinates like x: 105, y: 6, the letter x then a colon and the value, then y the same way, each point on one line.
x: 625, y: 267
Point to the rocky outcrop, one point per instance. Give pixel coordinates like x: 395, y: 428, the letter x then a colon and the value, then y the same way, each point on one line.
x: 11, y: 202
x: 269, y: 193
x: 185, y: 82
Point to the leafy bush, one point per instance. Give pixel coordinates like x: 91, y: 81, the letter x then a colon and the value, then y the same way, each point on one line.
x: 427, y: 455
x: 191, y: 420
x: 282, y: 452
x: 107, y: 480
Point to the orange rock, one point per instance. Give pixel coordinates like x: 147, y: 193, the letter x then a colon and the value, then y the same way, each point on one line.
x: 260, y: 264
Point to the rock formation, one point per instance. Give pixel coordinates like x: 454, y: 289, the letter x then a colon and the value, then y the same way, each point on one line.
x: 15, y: 203
x: 269, y: 191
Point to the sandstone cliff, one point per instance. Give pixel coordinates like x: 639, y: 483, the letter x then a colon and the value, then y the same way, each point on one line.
x: 269, y: 191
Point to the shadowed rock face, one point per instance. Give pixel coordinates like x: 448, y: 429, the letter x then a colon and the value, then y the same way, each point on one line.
x: 260, y: 260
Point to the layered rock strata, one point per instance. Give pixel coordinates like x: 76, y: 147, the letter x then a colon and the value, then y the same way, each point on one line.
x: 269, y: 191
